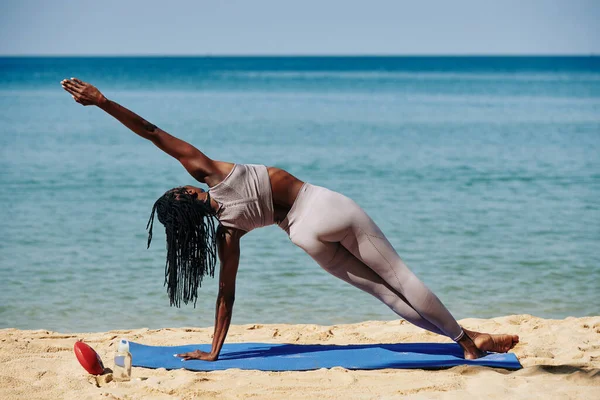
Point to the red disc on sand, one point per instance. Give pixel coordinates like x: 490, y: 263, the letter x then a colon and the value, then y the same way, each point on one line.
x: 88, y: 358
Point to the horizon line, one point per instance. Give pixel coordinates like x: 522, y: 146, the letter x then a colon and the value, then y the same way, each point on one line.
x: 306, y: 55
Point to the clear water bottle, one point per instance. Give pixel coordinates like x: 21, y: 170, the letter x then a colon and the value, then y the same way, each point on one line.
x: 122, y: 371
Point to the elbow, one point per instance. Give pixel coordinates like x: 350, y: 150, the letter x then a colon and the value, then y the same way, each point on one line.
x: 153, y: 134
x: 150, y: 128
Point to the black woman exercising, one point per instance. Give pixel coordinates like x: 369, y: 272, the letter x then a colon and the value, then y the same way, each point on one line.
x: 327, y: 225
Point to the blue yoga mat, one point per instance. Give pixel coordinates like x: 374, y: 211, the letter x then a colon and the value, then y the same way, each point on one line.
x: 293, y: 357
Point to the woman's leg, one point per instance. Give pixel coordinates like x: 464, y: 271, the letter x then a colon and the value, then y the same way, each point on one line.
x: 333, y: 218
x: 369, y: 245
x: 326, y: 219
x: 338, y: 261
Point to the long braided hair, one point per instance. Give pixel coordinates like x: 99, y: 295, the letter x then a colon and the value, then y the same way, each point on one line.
x: 191, y: 242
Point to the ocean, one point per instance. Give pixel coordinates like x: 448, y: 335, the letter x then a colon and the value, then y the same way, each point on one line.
x: 483, y: 172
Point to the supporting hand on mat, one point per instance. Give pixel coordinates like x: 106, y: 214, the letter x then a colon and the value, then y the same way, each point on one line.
x: 197, y: 355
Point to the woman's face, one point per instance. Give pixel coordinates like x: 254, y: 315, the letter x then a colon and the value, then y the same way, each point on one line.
x: 195, y: 190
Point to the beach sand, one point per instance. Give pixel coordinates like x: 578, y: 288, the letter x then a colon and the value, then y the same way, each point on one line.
x: 561, y: 360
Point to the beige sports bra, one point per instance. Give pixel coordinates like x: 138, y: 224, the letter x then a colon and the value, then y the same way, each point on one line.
x: 245, y: 198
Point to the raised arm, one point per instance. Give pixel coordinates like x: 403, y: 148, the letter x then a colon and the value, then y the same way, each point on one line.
x: 229, y: 254
x: 193, y: 160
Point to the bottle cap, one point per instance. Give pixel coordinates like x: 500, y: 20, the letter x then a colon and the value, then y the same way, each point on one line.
x: 123, y: 346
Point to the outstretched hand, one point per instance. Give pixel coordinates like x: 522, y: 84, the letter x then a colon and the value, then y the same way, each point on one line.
x: 197, y: 355
x: 83, y: 93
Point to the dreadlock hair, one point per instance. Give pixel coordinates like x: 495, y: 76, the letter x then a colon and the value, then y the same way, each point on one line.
x: 191, y: 242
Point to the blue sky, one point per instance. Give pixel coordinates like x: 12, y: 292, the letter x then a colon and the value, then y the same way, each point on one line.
x: 283, y: 27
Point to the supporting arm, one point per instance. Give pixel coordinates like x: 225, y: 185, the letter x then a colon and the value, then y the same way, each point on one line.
x: 229, y: 253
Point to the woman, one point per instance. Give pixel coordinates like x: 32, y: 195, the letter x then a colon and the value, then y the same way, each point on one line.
x: 330, y: 227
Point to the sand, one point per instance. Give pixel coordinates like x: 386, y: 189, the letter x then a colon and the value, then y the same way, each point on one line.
x: 561, y: 360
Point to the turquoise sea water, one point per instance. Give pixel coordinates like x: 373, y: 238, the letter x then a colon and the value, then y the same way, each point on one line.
x: 483, y: 172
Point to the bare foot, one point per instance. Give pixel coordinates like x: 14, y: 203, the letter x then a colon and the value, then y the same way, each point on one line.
x: 470, y: 349
x: 495, y: 343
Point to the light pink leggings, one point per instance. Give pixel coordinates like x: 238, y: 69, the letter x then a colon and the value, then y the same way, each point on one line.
x: 345, y: 241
